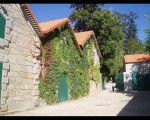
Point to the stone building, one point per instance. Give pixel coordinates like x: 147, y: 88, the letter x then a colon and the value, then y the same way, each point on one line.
x: 20, y: 55
x: 19, y: 68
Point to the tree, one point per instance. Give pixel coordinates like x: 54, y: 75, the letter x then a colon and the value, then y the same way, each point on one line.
x: 132, y: 45
x: 147, y: 42
x: 107, y: 29
x: 147, y: 31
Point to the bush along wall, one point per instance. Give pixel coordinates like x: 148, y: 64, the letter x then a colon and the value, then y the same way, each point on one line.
x: 60, y: 55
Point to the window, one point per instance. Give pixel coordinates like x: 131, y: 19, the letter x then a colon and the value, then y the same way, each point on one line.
x: 2, y: 26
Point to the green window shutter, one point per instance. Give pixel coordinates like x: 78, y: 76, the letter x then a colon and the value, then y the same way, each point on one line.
x: 2, y: 26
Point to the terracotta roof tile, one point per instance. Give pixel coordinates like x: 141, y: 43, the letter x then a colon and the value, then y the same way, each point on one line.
x: 82, y: 37
x: 51, y: 25
x: 137, y: 58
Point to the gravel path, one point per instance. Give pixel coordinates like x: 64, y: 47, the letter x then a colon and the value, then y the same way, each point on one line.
x: 105, y: 103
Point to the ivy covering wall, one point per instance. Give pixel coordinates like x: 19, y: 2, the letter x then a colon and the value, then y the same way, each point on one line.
x: 60, y: 55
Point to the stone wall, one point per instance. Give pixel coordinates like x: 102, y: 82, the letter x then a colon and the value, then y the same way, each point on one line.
x: 20, y: 69
x: 94, y: 89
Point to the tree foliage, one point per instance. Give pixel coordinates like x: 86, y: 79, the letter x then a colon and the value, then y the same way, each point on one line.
x: 147, y: 31
x: 82, y: 14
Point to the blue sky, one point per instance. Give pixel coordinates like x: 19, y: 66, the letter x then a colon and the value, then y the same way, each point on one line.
x: 48, y: 12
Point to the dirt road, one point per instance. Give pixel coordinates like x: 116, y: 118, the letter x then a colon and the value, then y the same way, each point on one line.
x: 104, y: 104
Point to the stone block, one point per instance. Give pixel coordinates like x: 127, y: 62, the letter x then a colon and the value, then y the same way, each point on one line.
x: 12, y: 80
x: 5, y: 73
x: 2, y: 43
x: 36, y: 98
x: 12, y: 93
x: 7, y: 37
x: 1, y: 58
x: 29, y: 92
x: 22, y: 37
x: 4, y: 108
x: 3, y: 101
x: 6, y: 59
x: 36, y: 87
x: 35, y: 60
x: 22, y: 86
x: 14, y: 33
x: 36, y: 76
x: 10, y: 87
x: 29, y: 63
x: 9, y: 24
x: 36, y: 82
x: 19, y: 52
x: 35, y: 92
x: 37, y: 65
x: 6, y: 52
x: 29, y: 69
x: 37, y: 50
x: 1, y: 11
x: 17, y: 29
x: 29, y: 58
x: 4, y: 87
x: 6, y: 44
x: 6, y: 66
x: 12, y: 74
x: 20, y: 92
x: 18, y: 80
x: 12, y: 59
x: 13, y: 45
x: 14, y: 67
x: 17, y: 98
x: 4, y: 93
x: 10, y: 100
x: 13, y: 39
x: 24, y: 97
x: 36, y: 71
x: 29, y: 76
x: 37, y: 103
x: 5, y: 80
x: 7, y: 30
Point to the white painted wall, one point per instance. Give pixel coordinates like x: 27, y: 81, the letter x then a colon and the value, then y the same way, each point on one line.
x: 127, y: 81
x: 140, y: 68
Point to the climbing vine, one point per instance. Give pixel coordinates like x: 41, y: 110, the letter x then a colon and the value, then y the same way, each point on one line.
x: 93, y: 69
x: 60, y: 55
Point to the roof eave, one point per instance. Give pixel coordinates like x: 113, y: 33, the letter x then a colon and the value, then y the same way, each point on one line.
x: 29, y: 14
x: 59, y: 24
x: 86, y: 39
x: 79, y: 48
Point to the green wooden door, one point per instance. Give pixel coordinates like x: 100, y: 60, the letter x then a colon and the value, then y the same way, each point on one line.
x: 63, y: 89
x: 140, y: 82
x: 1, y: 68
x: 2, y: 26
x: 134, y: 82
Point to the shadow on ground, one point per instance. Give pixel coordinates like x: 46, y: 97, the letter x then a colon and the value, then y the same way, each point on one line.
x: 139, y: 105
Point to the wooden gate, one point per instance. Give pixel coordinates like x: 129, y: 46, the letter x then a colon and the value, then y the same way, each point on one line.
x: 63, y: 89
x: 141, y: 82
